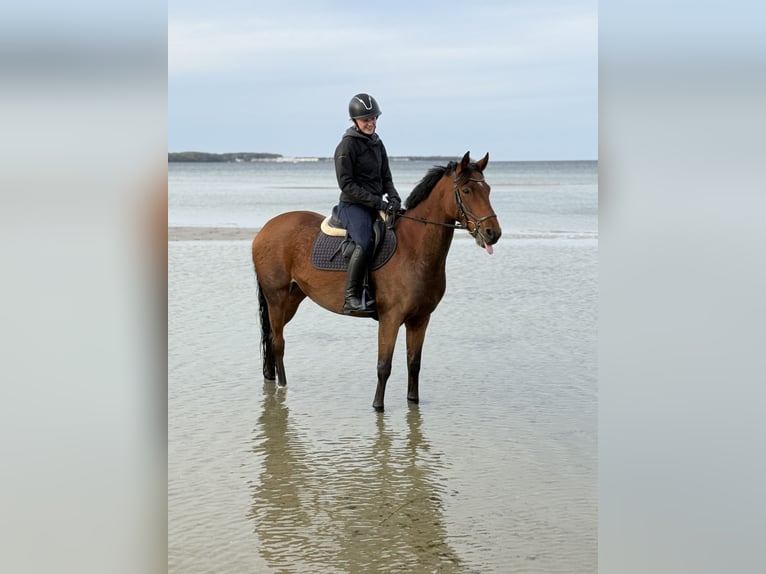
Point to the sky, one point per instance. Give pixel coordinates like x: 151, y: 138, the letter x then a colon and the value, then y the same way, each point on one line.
x: 515, y: 79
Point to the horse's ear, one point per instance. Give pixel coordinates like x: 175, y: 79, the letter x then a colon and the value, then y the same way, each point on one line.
x: 482, y: 163
x: 465, y: 161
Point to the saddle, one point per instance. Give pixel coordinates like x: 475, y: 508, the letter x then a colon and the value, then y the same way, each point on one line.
x: 333, y: 247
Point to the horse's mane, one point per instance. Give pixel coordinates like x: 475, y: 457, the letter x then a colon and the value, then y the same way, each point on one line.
x: 429, y: 181
x: 423, y: 189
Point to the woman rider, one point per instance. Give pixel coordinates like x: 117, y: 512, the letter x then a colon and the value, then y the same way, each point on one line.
x: 364, y: 177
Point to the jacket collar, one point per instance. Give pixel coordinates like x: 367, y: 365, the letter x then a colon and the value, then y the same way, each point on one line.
x: 353, y: 132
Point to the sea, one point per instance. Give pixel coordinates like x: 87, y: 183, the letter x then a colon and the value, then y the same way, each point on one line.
x: 494, y: 471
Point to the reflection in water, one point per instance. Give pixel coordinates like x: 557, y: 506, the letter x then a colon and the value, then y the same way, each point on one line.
x: 350, y: 504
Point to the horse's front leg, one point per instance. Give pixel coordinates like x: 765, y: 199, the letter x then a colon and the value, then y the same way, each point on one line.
x: 387, y: 332
x: 416, y: 333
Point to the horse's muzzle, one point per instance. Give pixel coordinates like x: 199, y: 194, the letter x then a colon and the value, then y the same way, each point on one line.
x: 491, y: 234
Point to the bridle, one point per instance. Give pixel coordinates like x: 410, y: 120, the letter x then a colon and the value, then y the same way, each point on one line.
x: 465, y: 216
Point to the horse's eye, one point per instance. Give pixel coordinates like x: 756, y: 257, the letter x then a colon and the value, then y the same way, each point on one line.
x: 466, y: 190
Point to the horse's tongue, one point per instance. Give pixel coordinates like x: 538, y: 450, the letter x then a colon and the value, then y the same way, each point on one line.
x: 489, y: 249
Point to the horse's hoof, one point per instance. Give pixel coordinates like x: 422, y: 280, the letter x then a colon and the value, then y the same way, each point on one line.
x: 378, y: 408
x: 415, y: 400
x: 281, y: 387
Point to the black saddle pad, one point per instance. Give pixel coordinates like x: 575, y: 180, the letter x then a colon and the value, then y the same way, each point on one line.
x: 327, y: 253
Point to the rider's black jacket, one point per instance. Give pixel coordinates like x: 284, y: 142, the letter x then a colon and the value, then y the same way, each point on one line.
x: 361, y: 166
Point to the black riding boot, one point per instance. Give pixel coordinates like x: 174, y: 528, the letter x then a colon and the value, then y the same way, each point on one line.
x: 357, y: 266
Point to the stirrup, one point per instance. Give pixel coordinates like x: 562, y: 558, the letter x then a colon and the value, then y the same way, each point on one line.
x: 355, y: 308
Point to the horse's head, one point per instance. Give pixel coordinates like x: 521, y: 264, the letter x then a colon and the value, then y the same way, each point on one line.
x: 474, y: 210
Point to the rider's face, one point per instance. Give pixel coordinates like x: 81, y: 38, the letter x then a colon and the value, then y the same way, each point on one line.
x: 367, y: 125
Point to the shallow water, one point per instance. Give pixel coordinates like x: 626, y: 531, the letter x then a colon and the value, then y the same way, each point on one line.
x: 494, y: 471
x: 531, y: 198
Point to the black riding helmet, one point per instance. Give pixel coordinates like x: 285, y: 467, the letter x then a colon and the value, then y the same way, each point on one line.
x: 363, y: 106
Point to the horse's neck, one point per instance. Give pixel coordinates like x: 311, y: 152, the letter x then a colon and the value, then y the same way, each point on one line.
x: 440, y: 204
x: 433, y: 239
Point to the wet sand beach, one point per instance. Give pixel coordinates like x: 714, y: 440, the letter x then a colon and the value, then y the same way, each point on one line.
x: 210, y: 233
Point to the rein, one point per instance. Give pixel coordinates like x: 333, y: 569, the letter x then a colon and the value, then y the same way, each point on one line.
x: 463, y: 213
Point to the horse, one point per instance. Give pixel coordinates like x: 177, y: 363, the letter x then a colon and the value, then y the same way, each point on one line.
x: 408, y: 287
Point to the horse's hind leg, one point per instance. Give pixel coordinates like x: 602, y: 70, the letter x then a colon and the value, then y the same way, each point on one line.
x: 267, y: 347
x: 416, y: 333
x: 282, y: 308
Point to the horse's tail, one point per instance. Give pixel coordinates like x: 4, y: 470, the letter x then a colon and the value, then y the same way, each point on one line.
x: 267, y: 348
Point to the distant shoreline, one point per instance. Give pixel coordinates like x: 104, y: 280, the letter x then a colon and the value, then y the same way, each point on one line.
x: 248, y: 157
x: 259, y: 157
x: 204, y: 157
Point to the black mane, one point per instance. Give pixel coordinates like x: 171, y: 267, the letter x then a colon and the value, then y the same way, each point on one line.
x: 429, y: 181
x: 423, y: 189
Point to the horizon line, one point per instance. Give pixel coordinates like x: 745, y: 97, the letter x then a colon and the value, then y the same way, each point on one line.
x: 405, y: 156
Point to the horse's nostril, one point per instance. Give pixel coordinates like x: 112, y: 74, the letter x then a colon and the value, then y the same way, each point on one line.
x: 492, y: 235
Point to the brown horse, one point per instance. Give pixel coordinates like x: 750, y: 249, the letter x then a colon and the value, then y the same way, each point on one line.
x: 407, y: 288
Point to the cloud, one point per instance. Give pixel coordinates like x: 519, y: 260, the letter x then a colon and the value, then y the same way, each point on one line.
x: 488, y: 66
x: 213, y: 46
